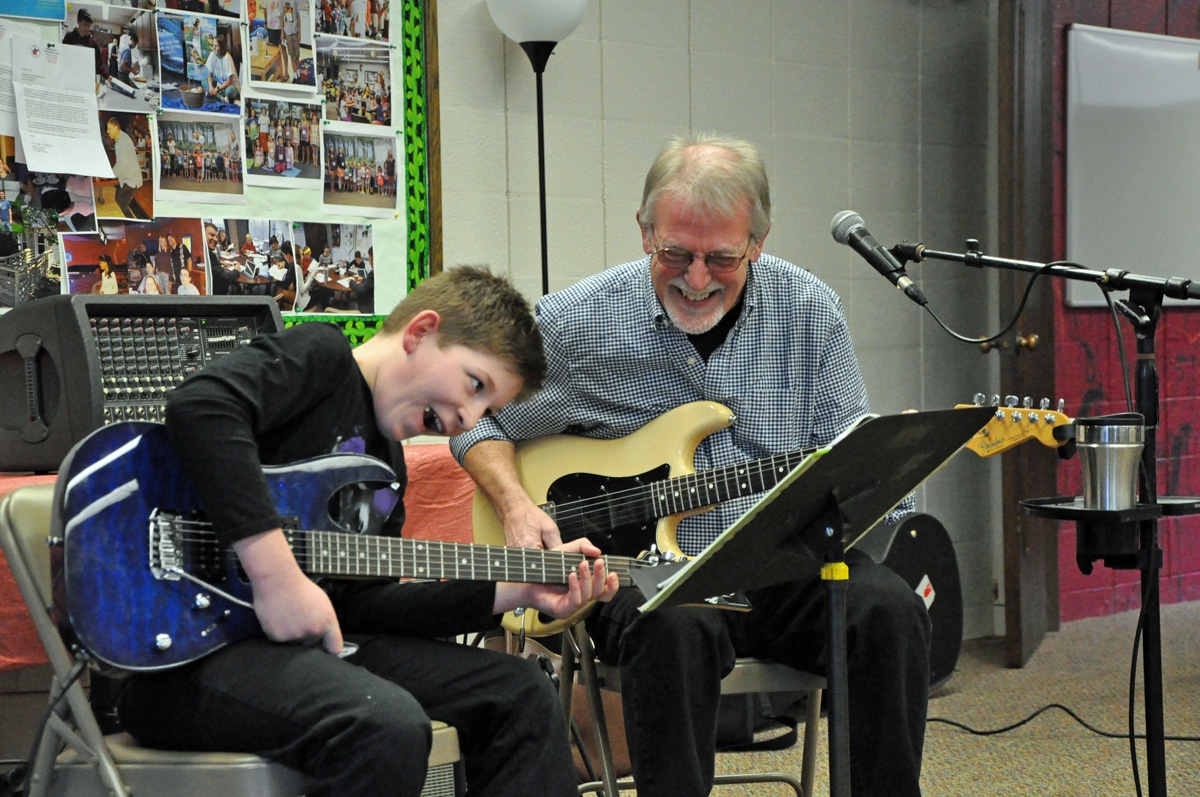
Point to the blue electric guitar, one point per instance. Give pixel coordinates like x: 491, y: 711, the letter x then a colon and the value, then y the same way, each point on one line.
x: 141, y: 582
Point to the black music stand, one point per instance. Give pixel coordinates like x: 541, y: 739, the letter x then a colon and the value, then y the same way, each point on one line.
x: 834, y: 497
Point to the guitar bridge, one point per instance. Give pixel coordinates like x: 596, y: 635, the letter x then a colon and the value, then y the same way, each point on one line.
x: 166, y: 546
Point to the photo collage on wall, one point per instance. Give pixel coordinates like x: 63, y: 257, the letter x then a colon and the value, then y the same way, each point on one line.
x: 207, y: 103
x: 308, y: 267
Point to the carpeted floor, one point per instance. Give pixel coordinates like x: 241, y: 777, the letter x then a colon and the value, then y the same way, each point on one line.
x: 1084, y: 666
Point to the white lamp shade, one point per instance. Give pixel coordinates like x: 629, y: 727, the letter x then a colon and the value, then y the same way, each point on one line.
x: 537, y: 20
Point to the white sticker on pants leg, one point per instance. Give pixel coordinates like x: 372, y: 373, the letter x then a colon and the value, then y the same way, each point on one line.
x: 925, y: 590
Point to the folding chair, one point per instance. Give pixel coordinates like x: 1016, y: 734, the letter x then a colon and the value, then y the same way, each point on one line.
x: 749, y: 676
x: 93, y: 765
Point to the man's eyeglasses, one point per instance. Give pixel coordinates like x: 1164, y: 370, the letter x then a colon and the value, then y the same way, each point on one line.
x: 678, y: 258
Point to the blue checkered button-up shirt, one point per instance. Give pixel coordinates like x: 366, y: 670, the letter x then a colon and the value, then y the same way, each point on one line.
x: 787, y: 370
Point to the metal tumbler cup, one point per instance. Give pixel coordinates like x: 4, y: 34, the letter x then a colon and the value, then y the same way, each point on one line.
x: 1110, y: 450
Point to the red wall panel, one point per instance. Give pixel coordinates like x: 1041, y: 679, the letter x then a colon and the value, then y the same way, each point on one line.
x: 1088, y: 372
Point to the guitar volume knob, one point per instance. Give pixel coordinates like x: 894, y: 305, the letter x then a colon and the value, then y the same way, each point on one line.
x: 162, y: 641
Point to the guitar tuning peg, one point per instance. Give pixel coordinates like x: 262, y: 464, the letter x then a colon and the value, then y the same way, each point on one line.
x: 1062, y: 405
x: 1010, y: 401
x: 1044, y: 404
x: 980, y: 399
x: 1027, y: 403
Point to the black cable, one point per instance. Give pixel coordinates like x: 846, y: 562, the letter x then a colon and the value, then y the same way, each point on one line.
x: 1112, y: 309
x: 1044, y: 709
x: 1133, y: 665
x: 1016, y: 315
x: 1152, y: 566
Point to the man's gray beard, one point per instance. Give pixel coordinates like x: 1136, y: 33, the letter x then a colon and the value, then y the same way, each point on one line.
x: 695, y: 326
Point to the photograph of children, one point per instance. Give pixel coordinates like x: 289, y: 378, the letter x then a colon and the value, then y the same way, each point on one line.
x: 150, y: 259
x: 359, y: 19
x: 201, y: 63
x: 337, y: 268
x: 218, y: 8
x: 199, y: 158
x: 281, y: 45
x: 355, y: 81
x: 69, y: 196
x: 125, y: 42
x: 283, y: 143
x: 15, y: 187
x: 252, y: 257
x: 357, y: 169
x: 130, y: 193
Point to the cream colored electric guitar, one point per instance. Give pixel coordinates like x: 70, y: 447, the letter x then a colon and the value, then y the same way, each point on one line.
x: 631, y: 492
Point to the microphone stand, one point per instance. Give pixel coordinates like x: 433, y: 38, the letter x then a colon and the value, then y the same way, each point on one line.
x: 1097, y: 528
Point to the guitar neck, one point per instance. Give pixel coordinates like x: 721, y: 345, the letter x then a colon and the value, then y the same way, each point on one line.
x: 716, y: 486
x: 651, y: 502
x: 337, y: 554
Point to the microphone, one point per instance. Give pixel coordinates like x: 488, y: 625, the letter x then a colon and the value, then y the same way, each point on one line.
x: 848, y: 228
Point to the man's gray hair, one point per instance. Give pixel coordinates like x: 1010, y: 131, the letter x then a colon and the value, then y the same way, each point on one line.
x: 712, y: 173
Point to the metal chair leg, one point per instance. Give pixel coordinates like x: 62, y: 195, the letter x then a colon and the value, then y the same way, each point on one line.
x: 812, y: 723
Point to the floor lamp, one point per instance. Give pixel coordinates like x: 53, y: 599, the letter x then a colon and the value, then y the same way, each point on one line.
x: 538, y: 25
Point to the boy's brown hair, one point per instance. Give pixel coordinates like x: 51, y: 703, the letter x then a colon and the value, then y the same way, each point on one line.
x: 483, y: 312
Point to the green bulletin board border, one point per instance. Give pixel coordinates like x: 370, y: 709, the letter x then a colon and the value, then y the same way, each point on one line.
x: 419, y: 21
x: 357, y: 328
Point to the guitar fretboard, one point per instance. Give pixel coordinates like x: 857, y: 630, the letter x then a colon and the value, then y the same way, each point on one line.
x: 360, y: 556
x: 189, y: 544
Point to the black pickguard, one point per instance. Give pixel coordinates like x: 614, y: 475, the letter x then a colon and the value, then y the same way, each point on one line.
x: 619, y: 520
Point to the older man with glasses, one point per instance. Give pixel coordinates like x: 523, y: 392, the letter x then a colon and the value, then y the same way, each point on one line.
x: 706, y: 315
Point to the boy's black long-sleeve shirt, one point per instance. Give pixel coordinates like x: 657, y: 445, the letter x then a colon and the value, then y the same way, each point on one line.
x: 289, y: 396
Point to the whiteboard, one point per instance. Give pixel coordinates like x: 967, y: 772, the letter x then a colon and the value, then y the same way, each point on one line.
x: 1133, y: 156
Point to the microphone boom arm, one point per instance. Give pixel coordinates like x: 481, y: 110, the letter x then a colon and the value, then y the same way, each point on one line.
x: 1113, y: 279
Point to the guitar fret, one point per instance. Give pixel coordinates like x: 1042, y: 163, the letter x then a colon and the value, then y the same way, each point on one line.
x: 383, y: 557
x: 692, y: 493
x: 496, y: 564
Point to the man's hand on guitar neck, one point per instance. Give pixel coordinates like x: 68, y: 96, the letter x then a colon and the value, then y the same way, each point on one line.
x: 492, y: 465
x: 584, y: 585
x: 289, y: 605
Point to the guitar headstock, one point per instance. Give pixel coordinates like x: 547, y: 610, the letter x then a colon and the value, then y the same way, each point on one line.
x: 1012, y: 425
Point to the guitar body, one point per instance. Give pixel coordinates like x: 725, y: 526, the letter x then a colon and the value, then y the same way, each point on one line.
x: 922, y: 553
x: 560, y: 468
x: 110, y: 600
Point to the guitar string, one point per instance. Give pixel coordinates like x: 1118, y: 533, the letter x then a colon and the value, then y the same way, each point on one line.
x: 444, y: 554
x: 622, y: 506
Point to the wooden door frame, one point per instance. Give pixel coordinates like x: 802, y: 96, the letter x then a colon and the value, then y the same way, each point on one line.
x: 1025, y: 221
